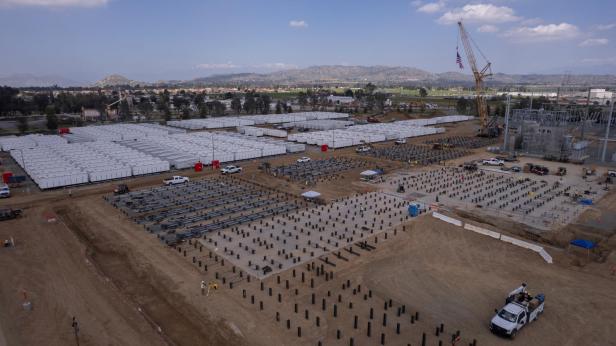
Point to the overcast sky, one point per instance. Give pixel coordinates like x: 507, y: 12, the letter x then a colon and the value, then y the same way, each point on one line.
x: 159, y: 39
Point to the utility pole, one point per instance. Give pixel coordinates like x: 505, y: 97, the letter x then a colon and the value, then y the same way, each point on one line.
x: 607, y: 129
x: 506, y: 143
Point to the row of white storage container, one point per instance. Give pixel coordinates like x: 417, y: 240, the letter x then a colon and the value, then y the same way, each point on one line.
x: 118, y: 132
x: 259, y: 131
x: 140, y: 162
x: 320, y: 124
x: 222, y: 122
x: 60, y: 181
x: 29, y: 141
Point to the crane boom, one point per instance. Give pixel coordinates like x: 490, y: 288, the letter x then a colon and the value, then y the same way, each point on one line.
x: 480, y: 76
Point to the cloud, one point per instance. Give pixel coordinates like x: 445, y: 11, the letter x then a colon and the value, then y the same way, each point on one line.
x: 276, y: 66
x: 479, y: 13
x: 591, y: 42
x: 231, y: 66
x: 431, y: 7
x: 488, y: 28
x: 416, y: 3
x: 541, y: 33
x: 54, y: 3
x: 298, y: 24
x: 599, y: 61
x: 604, y: 27
x: 224, y: 66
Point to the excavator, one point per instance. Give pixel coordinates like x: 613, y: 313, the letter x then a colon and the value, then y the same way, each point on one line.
x: 489, y: 128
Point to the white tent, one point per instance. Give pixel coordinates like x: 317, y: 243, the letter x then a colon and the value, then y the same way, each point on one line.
x: 311, y: 194
x: 369, y: 173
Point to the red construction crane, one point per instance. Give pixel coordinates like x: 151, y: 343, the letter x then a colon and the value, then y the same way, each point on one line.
x: 480, y: 76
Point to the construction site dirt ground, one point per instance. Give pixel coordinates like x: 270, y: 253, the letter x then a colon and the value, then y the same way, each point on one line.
x: 126, y: 288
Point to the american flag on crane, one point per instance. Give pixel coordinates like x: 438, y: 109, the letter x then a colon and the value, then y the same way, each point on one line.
x: 459, y: 59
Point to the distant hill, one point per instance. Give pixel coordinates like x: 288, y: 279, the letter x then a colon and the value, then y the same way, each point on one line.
x: 386, y: 75
x: 117, y: 80
x: 22, y: 80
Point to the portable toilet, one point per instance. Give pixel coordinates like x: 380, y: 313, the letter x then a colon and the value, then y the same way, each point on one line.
x: 198, y: 167
x: 414, y: 209
x: 324, y: 147
x: 6, y: 176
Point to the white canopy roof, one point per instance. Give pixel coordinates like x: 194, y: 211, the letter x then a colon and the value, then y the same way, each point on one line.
x: 369, y: 173
x: 311, y: 194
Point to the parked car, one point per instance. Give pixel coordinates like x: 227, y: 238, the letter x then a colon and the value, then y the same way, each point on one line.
x: 121, y: 189
x: 5, y: 191
x: 493, y: 162
x: 516, y: 169
x: 400, y: 141
x: 362, y: 149
x: 303, y: 159
x: 176, y: 179
x: 470, y: 166
x: 231, y: 170
x: 8, y: 213
x: 511, y: 158
x: 611, y: 173
x: 536, y: 169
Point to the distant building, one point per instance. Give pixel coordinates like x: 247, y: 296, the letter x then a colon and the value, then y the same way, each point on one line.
x: 601, y: 94
x: 90, y: 114
x: 340, y: 100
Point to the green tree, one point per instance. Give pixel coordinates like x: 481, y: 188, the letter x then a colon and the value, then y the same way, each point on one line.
x: 145, y: 106
x: 278, y: 108
x: 185, y: 112
x: 462, y: 105
x: 348, y: 93
x: 124, y: 110
x: 52, y: 119
x: 22, y: 124
x: 302, y: 99
x: 370, y: 88
x: 423, y: 92
x: 236, y: 105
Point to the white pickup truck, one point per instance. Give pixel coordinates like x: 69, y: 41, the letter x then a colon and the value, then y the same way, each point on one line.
x: 493, y: 162
x: 520, y: 310
x: 231, y: 170
x: 176, y: 179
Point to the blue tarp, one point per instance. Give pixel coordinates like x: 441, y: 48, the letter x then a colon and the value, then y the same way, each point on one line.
x: 583, y: 243
x: 586, y: 201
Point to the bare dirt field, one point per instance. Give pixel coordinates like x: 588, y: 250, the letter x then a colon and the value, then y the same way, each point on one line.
x: 127, y: 288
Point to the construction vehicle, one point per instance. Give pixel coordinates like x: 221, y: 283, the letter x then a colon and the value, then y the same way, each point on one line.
x: 536, y: 169
x: 519, y: 311
x: 441, y: 146
x: 487, y: 129
x: 470, y: 166
x: 121, y: 189
x: 562, y: 171
x: 9, y: 214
